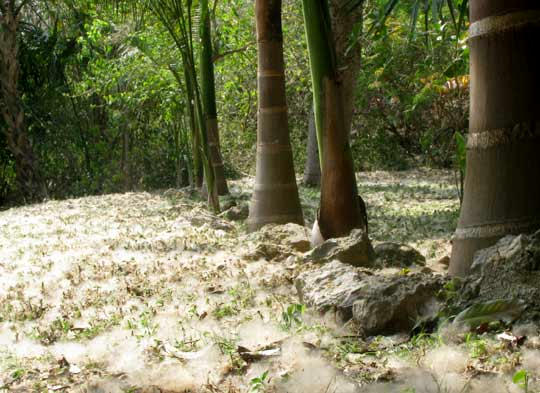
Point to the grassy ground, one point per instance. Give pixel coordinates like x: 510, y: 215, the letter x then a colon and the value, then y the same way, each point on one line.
x: 145, y: 292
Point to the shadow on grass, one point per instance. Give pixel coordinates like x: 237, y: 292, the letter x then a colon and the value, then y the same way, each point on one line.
x: 401, y: 212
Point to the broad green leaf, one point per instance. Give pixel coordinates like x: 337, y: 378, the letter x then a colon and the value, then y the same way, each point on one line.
x: 495, y: 310
x: 520, y: 378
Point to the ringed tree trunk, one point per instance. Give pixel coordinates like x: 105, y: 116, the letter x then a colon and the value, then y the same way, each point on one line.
x: 340, y: 211
x: 502, y: 191
x: 28, y: 177
x: 208, y: 92
x: 275, y: 197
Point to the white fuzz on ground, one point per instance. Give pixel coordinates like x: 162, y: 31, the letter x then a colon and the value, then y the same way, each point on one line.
x: 445, y: 360
x: 256, y: 334
x: 529, y: 330
x: 310, y: 373
x: 530, y: 360
x: 151, y: 292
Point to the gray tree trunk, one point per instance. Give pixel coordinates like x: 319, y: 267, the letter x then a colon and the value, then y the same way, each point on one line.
x: 312, y: 170
x: 348, y: 51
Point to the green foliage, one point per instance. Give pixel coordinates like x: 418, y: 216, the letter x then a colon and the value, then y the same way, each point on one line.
x: 461, y: 162
x: 412, y: 94
x: 107, y: 109
x: 495, y: 310
x: 521, y: 379
x: 257, y: 384
x: 476, y: 345
x: 292, y: 316
x: 107, y: 119
x: 461, y: 152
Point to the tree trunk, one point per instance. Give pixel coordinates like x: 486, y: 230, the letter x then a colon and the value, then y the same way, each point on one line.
x: 312, y: 170
x: 348, y: 55
x: 348, y: 51
x: 125, y: 164
x: 195, y: 138
x: 28, y: 178
x: 339, y: 211
x: 275, y: 196
x: 502, y: 191
x: 208, y: 92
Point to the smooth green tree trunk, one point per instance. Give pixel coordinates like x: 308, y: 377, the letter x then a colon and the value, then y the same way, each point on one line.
x: 339, y: 211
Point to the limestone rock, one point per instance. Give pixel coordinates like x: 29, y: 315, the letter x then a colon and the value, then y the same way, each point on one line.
x: 390, y: 254
x: 509, y: 247
x: 290, y: 235
x: 267, y: 251
x: 378, y: 303
x: 389, y: 304
x: 355, y: 250
x: 508, y: 270
x: 445, y: 261
x: 236, y: 213
x: 278, y: 242
x: 227, y: 202
x: 333, y: 286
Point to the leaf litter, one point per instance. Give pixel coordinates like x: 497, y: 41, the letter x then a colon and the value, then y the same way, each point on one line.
x: 149, y: 292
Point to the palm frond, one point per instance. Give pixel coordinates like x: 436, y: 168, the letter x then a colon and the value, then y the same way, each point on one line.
x: 432, y: 12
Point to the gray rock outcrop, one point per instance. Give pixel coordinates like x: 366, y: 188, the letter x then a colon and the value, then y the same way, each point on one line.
x: 289, y: 235
x: 508, y: 270
x: 355, y: 250
x: 236, y: 212
x: 377, y: 303
x: 390, y: 304
x: 335, y: 285
x: 278, y: 242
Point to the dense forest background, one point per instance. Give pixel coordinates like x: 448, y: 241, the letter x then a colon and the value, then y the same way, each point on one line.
x: 106, y: 111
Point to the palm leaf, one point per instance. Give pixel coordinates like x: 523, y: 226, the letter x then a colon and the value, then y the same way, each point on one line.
x: 414, y: 17
x: 450, y: 4
x: 388, y: 8
x: 463, y: 12
x: 495, y: 310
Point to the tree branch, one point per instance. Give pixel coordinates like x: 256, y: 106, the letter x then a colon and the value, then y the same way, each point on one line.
x: 220, y: 56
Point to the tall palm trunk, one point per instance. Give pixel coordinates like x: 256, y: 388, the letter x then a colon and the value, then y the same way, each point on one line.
x: 502, y: 191
x: 208, y: 92
x: 339, y: 211
x: 275, y: 196
x: 28, y: 178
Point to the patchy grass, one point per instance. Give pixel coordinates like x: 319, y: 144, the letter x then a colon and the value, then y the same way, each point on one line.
x: 141, y: 291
